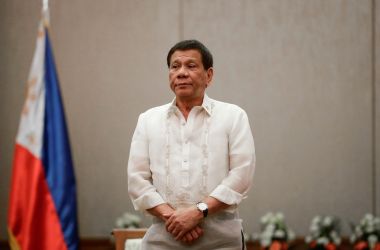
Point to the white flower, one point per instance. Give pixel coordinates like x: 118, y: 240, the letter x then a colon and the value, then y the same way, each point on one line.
x: 369, y: 228
x: 270, y: 228
x: 376, y: 221
x: 317, y: 219
x: 265, y: 219
x: 335, y: 237
x: 337, y: 240
x: 131, y: 218
x: 320, y: 226
x: 265, y: 239
x: 314, y: 228
x: 368, y: 217
x: 119, y: 223
x: 352, y: 238
x: 322, y: 241
x: 291, y: 235
x: 273, y: 226
x: 327, y: 221
x: 280, y: 216
x: 358, y: 231
x: 128, y: 220
x: 255, y: 236
x: 246, y: 237
x: 279, y: 234
x: 315, y: 231
x: 267, y: 234
x: 273, y: 220
x: 265, y: 242
x: 315, y: 234
x: 372, y: 240
x: 308, y: 239
x: 333, y: 234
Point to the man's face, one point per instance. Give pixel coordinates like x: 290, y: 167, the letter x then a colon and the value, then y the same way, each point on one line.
x: 187, y: 77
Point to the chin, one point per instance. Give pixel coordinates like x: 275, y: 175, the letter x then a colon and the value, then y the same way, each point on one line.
x: 183, y: 93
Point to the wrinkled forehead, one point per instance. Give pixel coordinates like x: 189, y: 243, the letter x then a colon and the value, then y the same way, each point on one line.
x: 186, y: 56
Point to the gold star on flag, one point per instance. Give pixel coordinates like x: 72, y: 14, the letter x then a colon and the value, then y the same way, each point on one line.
x: 30, y: 96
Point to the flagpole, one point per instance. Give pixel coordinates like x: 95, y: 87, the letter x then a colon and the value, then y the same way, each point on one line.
x: 45, y: 13
x: 45, y: 5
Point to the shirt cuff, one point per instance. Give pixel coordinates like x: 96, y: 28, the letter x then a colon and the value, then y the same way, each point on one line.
x: 227, y: 195
x: 148, y: 201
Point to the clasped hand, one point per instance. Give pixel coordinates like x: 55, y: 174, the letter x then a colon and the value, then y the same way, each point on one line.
x: 183, y: 224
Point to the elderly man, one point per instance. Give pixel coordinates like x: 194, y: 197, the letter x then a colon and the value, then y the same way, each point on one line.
x: 191, y: 161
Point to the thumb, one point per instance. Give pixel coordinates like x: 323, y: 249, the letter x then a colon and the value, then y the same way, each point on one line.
x: 167, y: 215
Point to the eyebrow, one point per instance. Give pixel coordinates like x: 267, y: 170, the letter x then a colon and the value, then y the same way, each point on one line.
x: 190, y: 60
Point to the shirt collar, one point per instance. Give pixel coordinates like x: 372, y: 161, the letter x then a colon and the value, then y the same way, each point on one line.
x: 207, y: 105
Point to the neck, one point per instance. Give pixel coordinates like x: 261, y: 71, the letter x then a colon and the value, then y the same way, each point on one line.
x: 185, y: 105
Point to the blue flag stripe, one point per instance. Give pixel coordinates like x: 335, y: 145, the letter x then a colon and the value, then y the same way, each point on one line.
x: 56, y: 154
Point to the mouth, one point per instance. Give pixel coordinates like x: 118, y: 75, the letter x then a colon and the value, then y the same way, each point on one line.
x: 179, y: 85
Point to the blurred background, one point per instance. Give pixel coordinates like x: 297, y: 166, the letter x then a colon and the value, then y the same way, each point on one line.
x: 306, y: 72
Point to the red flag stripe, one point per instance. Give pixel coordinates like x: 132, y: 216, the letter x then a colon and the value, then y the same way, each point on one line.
x: 33, y: 208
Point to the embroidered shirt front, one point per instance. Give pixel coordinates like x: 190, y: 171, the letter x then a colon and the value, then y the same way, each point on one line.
x: 181, y: 162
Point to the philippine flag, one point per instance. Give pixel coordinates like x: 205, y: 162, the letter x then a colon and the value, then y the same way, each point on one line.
x: 42, y: 207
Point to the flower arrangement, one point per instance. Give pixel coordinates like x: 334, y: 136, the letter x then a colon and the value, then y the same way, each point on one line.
x: 324, y: 233
x: 275, y: 234
x: 128, y: 220
x: 366, y: 235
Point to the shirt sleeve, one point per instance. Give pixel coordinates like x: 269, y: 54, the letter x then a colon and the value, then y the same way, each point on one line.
x: 234, y: 187
x: 140, y: 188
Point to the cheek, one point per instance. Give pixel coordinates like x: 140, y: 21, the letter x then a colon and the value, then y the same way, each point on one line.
x: 171, y: 77
x: 171, y: 81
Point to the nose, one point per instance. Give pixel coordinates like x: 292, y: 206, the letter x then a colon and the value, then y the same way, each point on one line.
x: 182, y: 72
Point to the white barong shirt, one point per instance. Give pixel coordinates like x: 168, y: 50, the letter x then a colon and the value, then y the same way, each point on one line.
x: 181, y: 162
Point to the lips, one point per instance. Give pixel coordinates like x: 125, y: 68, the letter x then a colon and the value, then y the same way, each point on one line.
x: 182, y: 84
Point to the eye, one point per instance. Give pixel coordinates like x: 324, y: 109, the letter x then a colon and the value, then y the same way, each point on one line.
x: 192, y: 65
x: 174, y: 66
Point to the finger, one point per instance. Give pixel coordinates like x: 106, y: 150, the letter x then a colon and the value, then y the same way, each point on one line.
x: 194, y: 234
x: 184, y: 239
x: 168, y: 222
x: 199, y: 230
x: 189, y: 237
x: 171, y: 228
x: 171, y: 218
x: 166, y: 215
x: 179, y: 235
x: 174, y: 232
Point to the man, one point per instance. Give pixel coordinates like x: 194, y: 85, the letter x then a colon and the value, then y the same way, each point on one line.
x: 191, y: 161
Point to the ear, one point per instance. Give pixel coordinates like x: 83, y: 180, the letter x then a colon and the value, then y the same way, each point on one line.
x: 210, y: 74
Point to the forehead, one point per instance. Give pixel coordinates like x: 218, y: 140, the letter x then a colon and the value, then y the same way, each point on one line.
x: 186, y: 55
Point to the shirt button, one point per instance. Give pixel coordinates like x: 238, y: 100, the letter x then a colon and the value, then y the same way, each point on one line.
x: 183, y: 124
